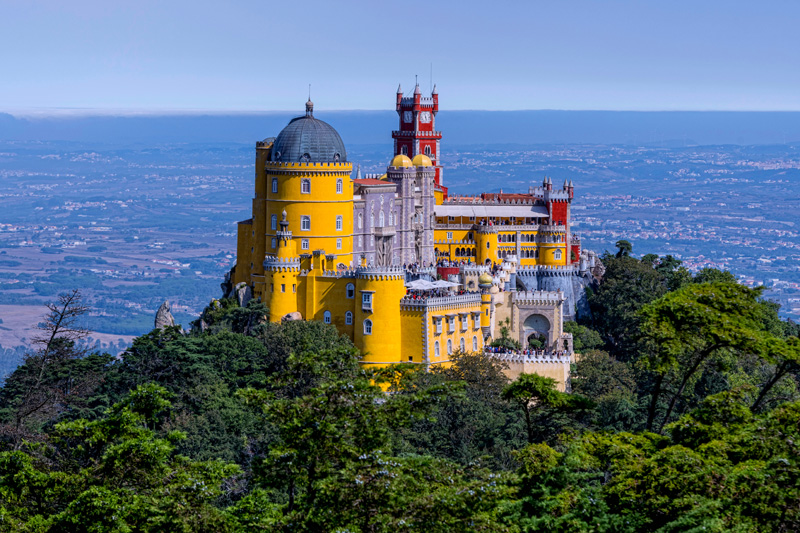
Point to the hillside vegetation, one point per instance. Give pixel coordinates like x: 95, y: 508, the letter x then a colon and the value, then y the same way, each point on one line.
x: 684, y: 416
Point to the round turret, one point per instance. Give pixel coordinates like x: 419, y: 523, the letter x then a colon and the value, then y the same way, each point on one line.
x: 422, y: 160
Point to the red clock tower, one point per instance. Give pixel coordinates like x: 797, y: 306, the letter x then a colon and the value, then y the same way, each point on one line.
x: 417, y: 133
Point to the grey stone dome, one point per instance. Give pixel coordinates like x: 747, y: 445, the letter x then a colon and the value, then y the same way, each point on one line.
x: 308, y: 140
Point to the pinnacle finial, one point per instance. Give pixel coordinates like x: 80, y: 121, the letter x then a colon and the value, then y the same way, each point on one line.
x: 283, y: 215
x: 309, y: 108
x: 399, y: 89
x: 434, y: 91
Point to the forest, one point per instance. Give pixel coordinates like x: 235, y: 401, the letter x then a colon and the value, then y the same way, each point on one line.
x: 683, y: 415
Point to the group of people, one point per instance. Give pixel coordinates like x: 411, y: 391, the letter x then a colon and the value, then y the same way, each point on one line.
x: 527, y: 352
x: 432, y: 293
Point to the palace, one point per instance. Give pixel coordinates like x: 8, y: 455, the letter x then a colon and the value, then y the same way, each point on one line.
x: 409, y: 272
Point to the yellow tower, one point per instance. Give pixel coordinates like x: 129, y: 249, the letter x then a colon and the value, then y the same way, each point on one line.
x: 280, y: 275
x: 486, y: 241
x: 377, y: 331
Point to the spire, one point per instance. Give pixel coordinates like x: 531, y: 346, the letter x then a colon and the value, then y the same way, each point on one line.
x: 284, y: 222
x: 358, y: 172
x: 434, y: 91
x: 416, y: 89
x: 399, y: 89
x: 309, y: 104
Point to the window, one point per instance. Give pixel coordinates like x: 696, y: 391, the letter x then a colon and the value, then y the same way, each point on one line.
x: 338, y: 222
x: 372, y: 220
x: 449, y: 235
x: 557, y: 255
x: 449, y: 347
x: 348, y: 318
x: 475, y: 344
x: 274, y: 221
x: 366, y: 301
x: 338, y: 244
x: 339, y: 186
x: 391, y: 221
x: 464, y: 322
x: 360, y: 220
x: 360, y: 242
x: 368, y: 327
x: 438, y: 322
x: 404, y: 150
x: 350, y: 290
x: 488, y: 245
x: 274, y: 184
x: 305, y: 223
x: 274, y: 243
x: 436, y: 349
x: 283, y: 287
x: 381, y: 220
x: 451, y: 324
x: 294, y: 287
x: 463, y: 348
x: 304, y: 244
x: 305, y: 186
x: 326, y: 317
x: 428, y: 151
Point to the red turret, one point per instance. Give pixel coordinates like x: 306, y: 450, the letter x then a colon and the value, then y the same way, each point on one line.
x: 417, y: 133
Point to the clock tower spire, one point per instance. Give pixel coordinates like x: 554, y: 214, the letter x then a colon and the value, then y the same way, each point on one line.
x: 417, y: 133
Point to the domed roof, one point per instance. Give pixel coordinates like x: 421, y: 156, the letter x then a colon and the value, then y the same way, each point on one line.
x: 485, y: 279
x: 401, y: 160
x: 422, y: 160
x: 308, y: 140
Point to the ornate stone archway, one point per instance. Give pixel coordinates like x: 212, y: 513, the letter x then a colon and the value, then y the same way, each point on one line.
x: 539, y: 324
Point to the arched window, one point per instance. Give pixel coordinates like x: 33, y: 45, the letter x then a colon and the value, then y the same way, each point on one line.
x: 350, y: 290
x: 274, y: 243
x: 428, y: 151
x: 348, y: 318
x: 338, y: 244
x: 274, y: 184
x: 339, y: 186
x: 436, y: 349
x: 449, y: 347
x: 381, y: 220
x: 360, y: 220
x: 475, y: 344
x: 368, y: 327
x: 372, y: 220
x: 305, y: 223
x: 463, y: 348
x: 338, y: 222
x: 305, y: 186
x: 274, y: 221
x: 557, y: 255
x: 404, y: 150
x: 391, y: 218
x: 326, y: 317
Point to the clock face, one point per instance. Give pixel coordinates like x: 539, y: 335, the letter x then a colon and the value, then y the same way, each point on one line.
x: 425, y: 117
x: 407, y: 116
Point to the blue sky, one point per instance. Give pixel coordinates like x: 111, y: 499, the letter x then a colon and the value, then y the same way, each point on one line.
x: 159, y: 56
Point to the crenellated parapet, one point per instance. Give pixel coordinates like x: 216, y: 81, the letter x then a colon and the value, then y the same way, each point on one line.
x: 380, y: 273
x: 343, y: 273
x: 437, y: 303
x: 549, y: 270
x: 538, y: 297
x: 473, y: 269
x: 282, y: 264
x: 539, y: 357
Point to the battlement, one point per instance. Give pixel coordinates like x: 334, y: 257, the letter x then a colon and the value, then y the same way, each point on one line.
x: 549, y: 270
x: 344, y: 273
x: 282, y: 264
x: 473, y: 269
x: 379, y: 273
x: 469, y: 299
x: 431, y: 134
x: 536, y: 357
x: 538, y: 297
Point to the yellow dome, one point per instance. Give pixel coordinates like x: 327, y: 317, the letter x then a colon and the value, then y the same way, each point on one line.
x: 401, y: 160
x: 422, y: 160
x: 485, y: 279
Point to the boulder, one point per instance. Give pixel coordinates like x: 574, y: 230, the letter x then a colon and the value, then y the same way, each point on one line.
x: 243, y: 294
x: 294, y: 315
x: 164, y: 317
